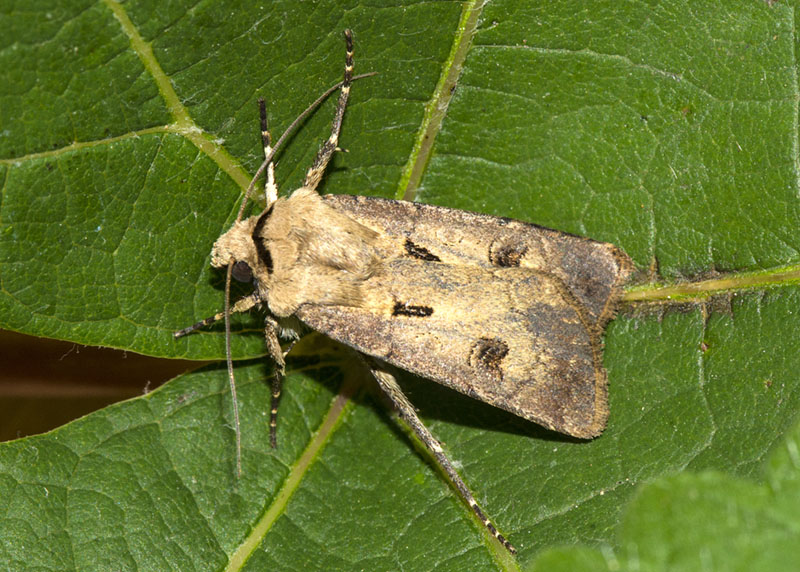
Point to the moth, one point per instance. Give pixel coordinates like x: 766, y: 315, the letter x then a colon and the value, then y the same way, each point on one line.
x: 509, y: 313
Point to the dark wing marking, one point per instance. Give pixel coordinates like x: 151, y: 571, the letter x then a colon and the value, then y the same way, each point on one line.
x: 417, y: 251
x: 487, y: 355
x: 414, y: 311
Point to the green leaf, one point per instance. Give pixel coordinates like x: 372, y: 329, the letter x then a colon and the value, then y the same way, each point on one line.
x: 691, y: 521
x: 127, y: 134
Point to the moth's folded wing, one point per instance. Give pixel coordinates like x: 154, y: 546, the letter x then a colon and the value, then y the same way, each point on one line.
x: 507, y: 336
x: 592, y: 271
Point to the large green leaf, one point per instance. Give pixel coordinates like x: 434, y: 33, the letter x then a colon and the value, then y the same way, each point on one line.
x: 127, y: 133
x: 709, y: 520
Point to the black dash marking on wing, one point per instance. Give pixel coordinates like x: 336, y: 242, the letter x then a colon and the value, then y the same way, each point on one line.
x: 487, y: 355
x: 420, y: 252
x: 405, y: 309
x: 507, y: 254
x: 261, y: 249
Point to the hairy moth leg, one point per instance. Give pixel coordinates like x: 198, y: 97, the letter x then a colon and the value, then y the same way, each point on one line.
x: 242, y: 305
x: 277, y: 354
x: 390, y: 387
x: 272, y: 328
x: 328, y: 148
x: 270, y: 187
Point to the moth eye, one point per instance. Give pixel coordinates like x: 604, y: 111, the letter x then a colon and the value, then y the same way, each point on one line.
x: 242, y: 272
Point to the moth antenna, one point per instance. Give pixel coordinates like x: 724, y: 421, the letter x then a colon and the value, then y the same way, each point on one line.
x: 314, y: 174
x: 241, y: 305
x: 270, y: 187
x: 231, y: 378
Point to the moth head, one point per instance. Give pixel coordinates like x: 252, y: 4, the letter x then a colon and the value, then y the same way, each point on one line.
x: 236, y: 246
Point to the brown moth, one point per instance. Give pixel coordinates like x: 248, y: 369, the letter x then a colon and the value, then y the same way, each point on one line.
x: 504, y: 311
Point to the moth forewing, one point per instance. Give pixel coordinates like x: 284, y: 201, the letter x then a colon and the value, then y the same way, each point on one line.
x: 594, y: 271
x: 507, y: 312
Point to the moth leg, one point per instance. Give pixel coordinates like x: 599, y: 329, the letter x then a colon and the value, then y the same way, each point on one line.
x: 328, y: 148
x: 390, y: 387
x: 270, y: 187
x: 241, y: 305
x: 277, y: 354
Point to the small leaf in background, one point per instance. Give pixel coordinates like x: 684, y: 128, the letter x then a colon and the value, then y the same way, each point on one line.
x: 706, y: 520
